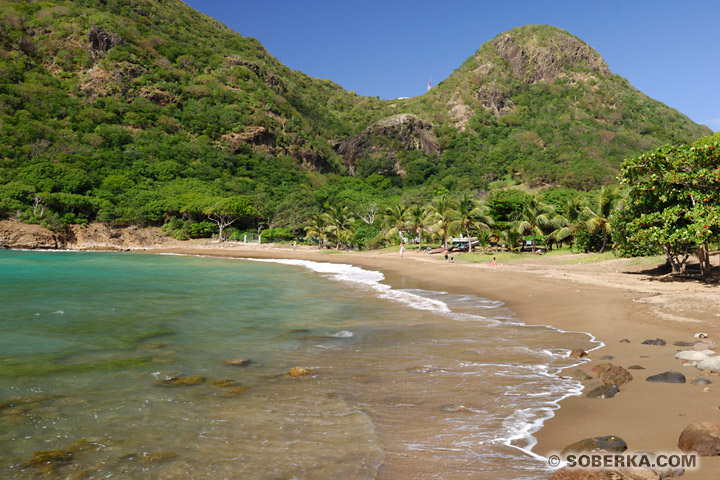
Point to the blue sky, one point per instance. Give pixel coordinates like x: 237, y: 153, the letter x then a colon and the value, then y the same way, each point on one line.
x: 666, y: 49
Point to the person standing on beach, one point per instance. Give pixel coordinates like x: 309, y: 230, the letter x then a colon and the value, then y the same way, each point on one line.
x: 402, y: 249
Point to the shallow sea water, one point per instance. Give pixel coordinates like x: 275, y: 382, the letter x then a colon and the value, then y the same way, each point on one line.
x: 402, y: 384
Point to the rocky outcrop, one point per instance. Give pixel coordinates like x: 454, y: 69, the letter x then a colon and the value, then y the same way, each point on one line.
x: 268, y: 78
x: 96, y: 236
x: 101, y: 41
x: 399, y: 132
x: 26, y: 236
x: 101, y: 236
x: 495, y: 98
x: 254, y: 135
x: 543, y: 59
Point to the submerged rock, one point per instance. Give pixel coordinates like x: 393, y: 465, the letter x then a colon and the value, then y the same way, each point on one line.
x: 624, y: 340
x: 224, y: 383
x: 52, y: 458
x: 238, y: 362
x: 604, y: 391
x: 451, y: 407
x: 180, y: 381
x: 607, y: 357
x: 420, y: 369
x: 298, y: 372
x: 681, y: 343
x: 608, y: 443
x: 636, y: 367
x: 667, y: 377
x: 235, y: 391
x: 581, y: 375
x: 658, y: 341
x: 577, y: 353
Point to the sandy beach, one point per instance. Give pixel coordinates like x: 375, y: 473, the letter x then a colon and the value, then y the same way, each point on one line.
x: 613, y: 300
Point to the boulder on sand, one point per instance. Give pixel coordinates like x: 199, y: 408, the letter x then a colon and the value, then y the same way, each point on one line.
x: 577, y: 353
x: 608, y: 443
x: 702, y: 438
x: 711, y: 363
x: 667, y: 377
x: 612, y: 374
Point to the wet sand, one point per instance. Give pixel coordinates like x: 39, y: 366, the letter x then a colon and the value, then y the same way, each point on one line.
x: 612, y: 300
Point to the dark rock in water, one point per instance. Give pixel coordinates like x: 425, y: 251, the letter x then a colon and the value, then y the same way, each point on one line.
x: 611, y: 374
x: 238, y: 362
x: 658, y: 341
x: 636, y: 367
x: 224, y: 383
x: 604, y: 391
x: 684, y: 344
x: 48, y: 458
x: 580, y: 375
x: 607, y: 357
x: 451, y: 407
x: 702, y: 438
x: 667, y: 377
x: 701, y: 381
x: 235, y: 391
x: 624, y: 340
x: 609, y: 443
x: 364, y: 378
x: 180, y: 381
x: 575, y: 473
x: 297, y: 330
x: 157, y: 457
x: 577, y: 353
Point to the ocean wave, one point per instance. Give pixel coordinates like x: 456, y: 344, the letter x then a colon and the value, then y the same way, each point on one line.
x: 368, y: 278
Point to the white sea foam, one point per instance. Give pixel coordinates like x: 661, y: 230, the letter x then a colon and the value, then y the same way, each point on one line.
x: 341, y: 334
x: 367, y: 278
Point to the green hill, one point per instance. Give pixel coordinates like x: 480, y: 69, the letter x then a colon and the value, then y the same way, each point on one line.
x: 130, y: 111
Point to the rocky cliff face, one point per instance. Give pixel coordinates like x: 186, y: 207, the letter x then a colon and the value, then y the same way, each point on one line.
x: 23, y: 236
x: 399, y: 132
x: 96, y: 236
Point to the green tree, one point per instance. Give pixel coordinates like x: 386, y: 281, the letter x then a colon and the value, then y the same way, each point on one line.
x: 339, y: 221
x: 470, y: 214
x: 418, y: 221
x: 673, y: 201
x: 534, y: 218
x: 224, y: 211
x: 442, y: 215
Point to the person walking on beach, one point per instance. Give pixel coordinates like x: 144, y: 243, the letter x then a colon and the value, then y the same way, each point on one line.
x: 402, y: 250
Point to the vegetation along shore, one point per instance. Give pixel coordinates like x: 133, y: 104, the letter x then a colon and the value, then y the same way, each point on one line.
x: 532, y: 175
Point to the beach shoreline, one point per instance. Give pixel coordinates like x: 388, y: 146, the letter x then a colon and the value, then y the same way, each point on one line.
x: 611, y: 300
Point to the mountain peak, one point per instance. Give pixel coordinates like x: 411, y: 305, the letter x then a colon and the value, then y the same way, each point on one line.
x: 540, y: 53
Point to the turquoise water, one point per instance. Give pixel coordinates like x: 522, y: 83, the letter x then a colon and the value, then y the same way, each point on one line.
x: 400, y: 381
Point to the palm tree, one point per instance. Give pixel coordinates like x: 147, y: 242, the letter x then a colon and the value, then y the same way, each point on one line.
x: 441, y: 216
x: 534, y: 218
x: 418, y: 221
x: 600, y: 215
x: 511, y: 237
x: 339, y: 221
x: 566, y: 225
x: 470, y: 214
x: 318, y: 229
x: 395, y: 218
